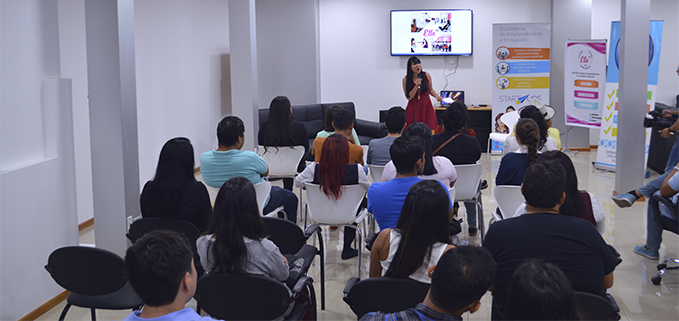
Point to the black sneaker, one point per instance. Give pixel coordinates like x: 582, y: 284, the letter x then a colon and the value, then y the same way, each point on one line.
x: 349, y: 253
x: 472, y: 231
x: 484, y: 184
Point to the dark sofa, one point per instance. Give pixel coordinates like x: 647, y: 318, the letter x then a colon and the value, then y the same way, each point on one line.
x: 312, y: 117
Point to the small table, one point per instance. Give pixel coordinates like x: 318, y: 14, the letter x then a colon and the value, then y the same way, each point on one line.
x: 479, y: 121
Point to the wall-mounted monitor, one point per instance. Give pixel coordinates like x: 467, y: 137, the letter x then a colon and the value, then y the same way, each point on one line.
x: 431, y: 32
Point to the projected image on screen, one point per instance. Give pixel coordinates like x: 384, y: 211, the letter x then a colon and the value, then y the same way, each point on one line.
x: 432, y: 32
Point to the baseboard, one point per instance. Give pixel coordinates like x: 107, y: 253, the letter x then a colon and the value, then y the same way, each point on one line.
x: 51, y: 303
x: 580, y: 149
x: 593, y: 146
x: 85, y: 224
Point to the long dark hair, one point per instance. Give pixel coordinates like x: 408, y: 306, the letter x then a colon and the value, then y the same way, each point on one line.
x: 424, y: 87
x: 540, y: 291
x: 534, y: 113
x: 528, y: 135
x: 423, y: 222
x: 334, y: 155
x: 279, y: 131
x: 235, y: 216
x: 421, y: 130
x: 573, y: 205
x: 174, y: 170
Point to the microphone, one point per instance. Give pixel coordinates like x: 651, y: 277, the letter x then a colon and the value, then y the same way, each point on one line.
x: 420, y: 75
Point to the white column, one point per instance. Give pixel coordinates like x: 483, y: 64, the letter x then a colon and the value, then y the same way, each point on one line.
x: 629, y: 171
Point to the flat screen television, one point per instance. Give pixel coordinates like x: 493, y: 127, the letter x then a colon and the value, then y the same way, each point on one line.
x: 431, y: 32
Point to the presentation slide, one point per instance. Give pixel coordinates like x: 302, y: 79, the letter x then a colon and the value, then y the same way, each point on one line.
x: 431, y: 32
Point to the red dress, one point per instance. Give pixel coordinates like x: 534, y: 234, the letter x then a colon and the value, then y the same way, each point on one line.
x: 420, y: 109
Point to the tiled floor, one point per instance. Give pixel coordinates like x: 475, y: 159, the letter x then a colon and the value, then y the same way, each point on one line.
x: 638, y: 298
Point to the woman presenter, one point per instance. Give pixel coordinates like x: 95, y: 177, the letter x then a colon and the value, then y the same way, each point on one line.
x: 417, y: 87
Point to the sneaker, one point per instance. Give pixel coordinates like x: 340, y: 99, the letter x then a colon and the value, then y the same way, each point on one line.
x: 349, y: 253
x: 624, y: 200
x: 472, y: 231
x: 645, y: 252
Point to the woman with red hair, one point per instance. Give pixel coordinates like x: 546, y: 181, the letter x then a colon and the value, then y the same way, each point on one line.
x: 331, y: 173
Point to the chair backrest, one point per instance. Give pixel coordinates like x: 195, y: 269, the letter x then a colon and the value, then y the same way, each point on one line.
x: 508, y: 199
x: 242, y: 297
x: 87, y: 270
x: 282, y: 161
x: 148, y: 224
x: 595, y: 307
x: 385, y: 294
x: 510, y: 119
x: 666, y: 222
x: 376, y: 172
x: 285, y: 234
x: 451, y: 192
x: 263, y: 189
x: 326, y: 210
x: 468, y: 178
x: 365, y: 154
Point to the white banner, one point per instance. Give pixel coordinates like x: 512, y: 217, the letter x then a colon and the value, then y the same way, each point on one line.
x: 520, y: 68
x: 584, y: 82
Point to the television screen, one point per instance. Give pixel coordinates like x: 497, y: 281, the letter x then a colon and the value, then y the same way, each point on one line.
x: 431, y: 32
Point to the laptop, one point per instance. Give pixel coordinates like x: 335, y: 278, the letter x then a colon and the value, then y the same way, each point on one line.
x: 455, y: 95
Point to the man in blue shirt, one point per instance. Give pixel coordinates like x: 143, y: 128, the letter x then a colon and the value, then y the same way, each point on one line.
x: 229, y: 161
x: 458, y: 281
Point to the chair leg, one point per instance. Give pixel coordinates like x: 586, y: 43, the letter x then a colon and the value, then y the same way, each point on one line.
x: 64, y: 311
x: 322, y: 267
x: 93, y: 312
x: 488, y: 153
x: 479, y: 219
x: 360, y: 248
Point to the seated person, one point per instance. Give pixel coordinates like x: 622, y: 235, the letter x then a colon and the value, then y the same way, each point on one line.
x: 669, y: 188
x: 540, y: 291
x: 343, y: 123
x: 435, y: 167
x: 229, y: 161
x: 429, y: 235
x: 545, y: 143
x: 572, y: 244
x: 331, y: 174
x: 329, y: 129
x: 174, y: 191
x: 378, y: 149
x: 160, y: 269
x: 236, y: 241
x: 281, y: 129
x: 513, y: 165
x: 385, y: 200
x: 458, y: 281
x: 581, y: 204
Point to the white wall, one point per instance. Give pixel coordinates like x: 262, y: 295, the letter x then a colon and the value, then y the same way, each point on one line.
x: 37, y: 167
x: 180, y: 49
x: 356, y: 64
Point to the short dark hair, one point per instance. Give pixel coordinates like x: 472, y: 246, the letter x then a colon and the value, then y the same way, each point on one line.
x: 156, y: 265
x: 395, y: 119
x: 461, y: 277
x: 540, y: 291
x: 455, y: 117
x: 228, y: 130
x: 544, y: 184
x: 405, y: 152
x: 342, y: 119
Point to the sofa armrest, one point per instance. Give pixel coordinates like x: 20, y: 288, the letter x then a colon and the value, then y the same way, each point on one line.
x: 371, y: 129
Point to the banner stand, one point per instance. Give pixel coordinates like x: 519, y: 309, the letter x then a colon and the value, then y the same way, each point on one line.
x: 565, y: 149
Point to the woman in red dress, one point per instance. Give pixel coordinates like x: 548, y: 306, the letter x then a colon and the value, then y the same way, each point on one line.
x: 417, y: 92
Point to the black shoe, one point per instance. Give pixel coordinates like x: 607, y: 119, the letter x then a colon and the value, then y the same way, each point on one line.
x: 484, y: 184
x: 472, y: 231
x: 349, y: 253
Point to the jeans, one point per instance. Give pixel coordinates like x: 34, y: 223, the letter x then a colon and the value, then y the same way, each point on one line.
x: 282, y: 197
x: 653, y: 230
x: 471, y: 209
x: 673, y: 159
x: 654, y: 185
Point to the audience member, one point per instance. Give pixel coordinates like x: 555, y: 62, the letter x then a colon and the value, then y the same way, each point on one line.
x: 458, y: 281
x: 572, y: 244
x: 545, y: 142
x: 540, y: 291
x: 343, y: 122
x: 174, y: 191
x: 460, y: 149
x: 378, y: 149
x: 236, y: 238
x: 281, y: 129
x: 513, y: 165
x: 329, y: 129
x: 428, y: 235
x: 331, y: 174
x: 435, y: 167
x: 229, y: 161
x: 160, y: 269
x: 581, y: 204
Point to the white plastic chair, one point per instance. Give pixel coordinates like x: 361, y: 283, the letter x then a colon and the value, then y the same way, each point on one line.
x: 451, y: 192
x: 263, y: 190
x: 466, y: 188
x: 324, y: 210
x: 282, y: 162
x: 508, y: 198
x: 365, y: 154
x: 376, y: 173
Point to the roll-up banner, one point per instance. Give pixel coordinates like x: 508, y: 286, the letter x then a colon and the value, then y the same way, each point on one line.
x: 608, y: 133
x: 520, y: 69
x: 584, y: 82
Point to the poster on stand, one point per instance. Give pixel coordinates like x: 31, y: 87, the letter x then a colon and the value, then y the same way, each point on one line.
x: 584, y: 82
x: 608, y: 132
x: 520, y: 69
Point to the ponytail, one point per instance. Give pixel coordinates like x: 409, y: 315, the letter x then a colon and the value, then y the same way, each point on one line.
x: 528, y: 133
